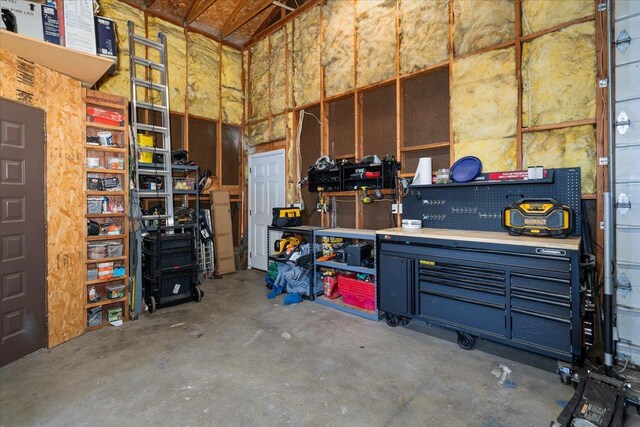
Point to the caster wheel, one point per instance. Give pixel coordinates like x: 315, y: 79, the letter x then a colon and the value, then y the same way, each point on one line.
x: 152, y: 304
x: 404, y: 321
x: 392, y: 320
x: 199, y: 294
x: 466, y: 341
x: 133, y: 316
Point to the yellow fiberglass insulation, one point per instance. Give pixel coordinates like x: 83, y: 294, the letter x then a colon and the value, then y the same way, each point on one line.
x: 376, y: 39
x: 564, y: 148
x: 424, y: 34
x: 277, y: 70
x: 480, y: 24
x: 231, y: 79
x: 559, y: 76
x: 177, y: 59
x: 484, y: 97
x: 258, y: 133
x: 289, y: 69
x: 338, y: 51
x: 121, y: 13
x: 278, y: 127
x: 259, y: 79
x: 204, y: 76
x: 306, y: 57
x: 539, y: 15
x: 496, y: 154
x: 245, y: 82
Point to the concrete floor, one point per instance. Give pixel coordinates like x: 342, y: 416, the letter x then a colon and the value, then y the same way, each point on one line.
x: 237, y: 358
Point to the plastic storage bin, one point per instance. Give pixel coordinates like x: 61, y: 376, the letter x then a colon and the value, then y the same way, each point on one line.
x: 94, y: 205
x: 357, y: 292
x: 168, y: 241
x: 176, y: 258
x: 114, y: 314
x: 94, y: 317
x: 97, y: 250
x: 92, y: 274
x: 119, y: 271
x: 114, y: 249
x: 114, y: 291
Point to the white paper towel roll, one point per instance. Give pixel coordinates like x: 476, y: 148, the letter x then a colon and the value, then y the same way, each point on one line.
x: 423, y: 172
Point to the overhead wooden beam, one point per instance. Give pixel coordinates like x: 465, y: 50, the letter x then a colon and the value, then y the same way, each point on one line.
x: 248, y: 17
x: 148, y: 3
x: 229, y: 21
x: 279, y: 24
x: 267, y: 22
x: 197, y: 8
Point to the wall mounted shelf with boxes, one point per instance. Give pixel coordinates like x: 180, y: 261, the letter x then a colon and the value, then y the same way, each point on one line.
x: 106, y: 171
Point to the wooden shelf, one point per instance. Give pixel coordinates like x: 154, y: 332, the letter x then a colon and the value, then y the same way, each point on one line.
x: 106, y: 215
x: 104, y: 193
x: 384, y: 191
x: 105, y: 301
x: 97, y: 261
x: 112, y: 171
x: 104, y: 104
x: 102, y: 148
x: 103, y: 126
x: 79, y: 65
x: 105, y: 237
x: 113, y: 279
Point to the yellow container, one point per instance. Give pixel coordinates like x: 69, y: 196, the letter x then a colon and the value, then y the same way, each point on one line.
x: 145, y: 141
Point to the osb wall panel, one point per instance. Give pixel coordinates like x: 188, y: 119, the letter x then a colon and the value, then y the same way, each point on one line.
x: 64, y: 180
x: 258, y: 133
x: 259, y: 76
x: 232, y: 102
x: 306, y: 57
x: 121, y: 13
x: 376, y: 40
x: 337, y: 51
x: 204, y: 76
x: 559, y: 76
x: 424, y: 33
x: 484, y: 99
x: 542, y: 14
x: 497, y: 154
x: 278, y: 128
x: 277, y: 71
x: 177, y: 58
x: 563, y: 148
x: 478, y: 25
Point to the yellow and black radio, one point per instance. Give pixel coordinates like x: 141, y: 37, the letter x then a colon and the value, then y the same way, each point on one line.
x: 538, y: 217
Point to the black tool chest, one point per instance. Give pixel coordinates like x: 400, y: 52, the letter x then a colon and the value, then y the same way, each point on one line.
x: 520, y: 295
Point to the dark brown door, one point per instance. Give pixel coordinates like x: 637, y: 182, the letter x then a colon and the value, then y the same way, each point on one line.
x: 22, y: 231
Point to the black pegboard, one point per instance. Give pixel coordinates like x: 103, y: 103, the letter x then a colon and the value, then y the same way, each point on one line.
x: 478, y: 205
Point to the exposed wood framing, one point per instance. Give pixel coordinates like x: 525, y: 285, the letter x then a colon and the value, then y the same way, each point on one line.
x: 229, y: 22
x: 267, y: 22
x: 276, y: 26
x: 559, y: 125
x: 253, y: 12
x: 518, y: 21
x: 602, y: 124
x: 197, y: 8
x: 452, y: 154
x: 537, y: 34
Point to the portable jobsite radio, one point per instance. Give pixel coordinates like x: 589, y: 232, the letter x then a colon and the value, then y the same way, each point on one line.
x: 538, y: 217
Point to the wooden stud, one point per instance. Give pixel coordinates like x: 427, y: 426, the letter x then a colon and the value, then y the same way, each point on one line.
x: 219, y: 165
x: 602, y: 126
x: 559, y: 125
x: 488, y: 49
x: 424, y: 147
x: 185, y: 124
x: 537, y: 34
x: 518, y: 43
x: 276, y: 26
x: 452, y: 153
x: 253, y: 12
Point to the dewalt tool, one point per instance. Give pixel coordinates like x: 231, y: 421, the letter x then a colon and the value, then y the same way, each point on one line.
x: 538, y: 217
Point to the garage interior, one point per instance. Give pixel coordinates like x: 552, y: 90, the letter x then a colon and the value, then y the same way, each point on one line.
x: 313, y: 212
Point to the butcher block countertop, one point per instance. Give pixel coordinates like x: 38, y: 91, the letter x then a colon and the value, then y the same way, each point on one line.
x: 570, y: 243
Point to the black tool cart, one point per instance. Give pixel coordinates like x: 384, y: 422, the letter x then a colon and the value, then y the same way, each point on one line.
x: 170, y: 267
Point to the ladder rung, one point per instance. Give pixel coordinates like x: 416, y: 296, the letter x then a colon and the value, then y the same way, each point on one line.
x: 151, y: 128
x: 149, y: 106
x: 147, y: 42
x: 147, y: 63
x: 153, y: 194
x: 150, y: 217
x: 152, y: 172
x: 148, y: 84
x: 153, y: 150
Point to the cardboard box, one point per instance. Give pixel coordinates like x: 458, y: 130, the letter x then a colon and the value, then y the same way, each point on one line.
x: 30, y: 19
x: 106, y: 37
x: 77, y: 28
x: 223, y: 232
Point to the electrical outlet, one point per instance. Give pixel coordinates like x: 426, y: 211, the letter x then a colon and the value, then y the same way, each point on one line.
x: 394, y: 208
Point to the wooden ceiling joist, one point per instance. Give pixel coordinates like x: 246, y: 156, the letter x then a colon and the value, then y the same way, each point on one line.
x: 248, y: 17
x: 229, y: 21
x: 197, y: 8
x: 269, y: 21
x: 148, y: 3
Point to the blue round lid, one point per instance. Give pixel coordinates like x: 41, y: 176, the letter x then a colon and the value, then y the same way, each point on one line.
x: 466, y: 169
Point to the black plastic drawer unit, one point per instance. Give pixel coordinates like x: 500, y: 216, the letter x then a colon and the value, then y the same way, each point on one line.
x: 512, y: 294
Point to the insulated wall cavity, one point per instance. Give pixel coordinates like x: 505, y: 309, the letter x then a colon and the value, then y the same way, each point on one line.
x: 277, y: 70
x: 258, y: 133
x: 204, y: 76
x: 539, y: 15
x: 564, y: 148
x: 478, y: 25
x: 232, y: 98
x: 559, y: 76
x: 338, y: 49
x: 376, y: 40
x: 278, y: 127
x: 424, y: 34
x: 259, y: 80
x: 306, y: 57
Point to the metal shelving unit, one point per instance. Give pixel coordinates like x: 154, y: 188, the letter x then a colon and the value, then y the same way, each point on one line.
x: 338, y: 304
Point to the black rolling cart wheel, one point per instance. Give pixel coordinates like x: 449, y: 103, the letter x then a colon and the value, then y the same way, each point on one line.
x: 199, y: 294
x: 152, y: 304
x: 392, y: 320
x: 466, y: 341
x: 404, y: 321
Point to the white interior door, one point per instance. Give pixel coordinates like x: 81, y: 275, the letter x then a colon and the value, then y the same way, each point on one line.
x: 266, y: 191
x: 627, y: 138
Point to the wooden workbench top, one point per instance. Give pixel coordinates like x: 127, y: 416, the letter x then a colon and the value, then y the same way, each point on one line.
x: 570, y: 243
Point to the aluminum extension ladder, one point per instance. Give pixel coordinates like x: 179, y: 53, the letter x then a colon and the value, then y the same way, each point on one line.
x: 156, y: 169
x: 206, y: 251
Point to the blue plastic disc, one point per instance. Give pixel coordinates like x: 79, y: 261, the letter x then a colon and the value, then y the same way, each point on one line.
x: 466, y: 169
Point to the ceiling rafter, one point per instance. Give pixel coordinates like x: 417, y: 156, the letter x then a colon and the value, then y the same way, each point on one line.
x: 267, y: 22
x: 197, y: 8
x: 148, y: 3
x: 229, y: 21
x: 248, y: 17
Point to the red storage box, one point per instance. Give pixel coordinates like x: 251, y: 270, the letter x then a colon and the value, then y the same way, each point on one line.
x: 357, y: 292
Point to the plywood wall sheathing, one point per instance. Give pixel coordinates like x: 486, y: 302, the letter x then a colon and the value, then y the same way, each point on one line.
x: 306, y: 57
x: 121, y: 13
x: 61, y: 97
x: 277, y: 71
x: 203, y: 76
x: 559, y: 76
x: 259, y: 76
x: 539, y: 15
x: 424, y: 29
x: 338, y: 50
x: 232, y: 97
x: 376, y: 39
x: 561, y: 148
x: 484, y: 107
x: 478, y: 25
x: 176, y: 57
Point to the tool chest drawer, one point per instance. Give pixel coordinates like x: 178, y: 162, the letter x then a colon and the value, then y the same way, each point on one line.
x: 537, y: 285
x: 541, y: 330
x: 545, y: 306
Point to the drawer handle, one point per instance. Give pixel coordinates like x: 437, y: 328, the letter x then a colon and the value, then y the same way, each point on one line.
x: 541, y: 300
x: 546, y: 279
x: 544, y: 316
x: 524, y: 291
x: 463, y: 299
